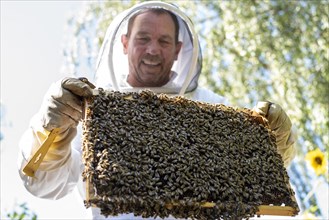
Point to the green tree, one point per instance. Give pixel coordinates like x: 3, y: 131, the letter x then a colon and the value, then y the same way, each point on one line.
x: 273, y: 50
x: 253, y: 50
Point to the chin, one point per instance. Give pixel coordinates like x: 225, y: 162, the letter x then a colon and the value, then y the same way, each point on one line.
x: 151, y: 85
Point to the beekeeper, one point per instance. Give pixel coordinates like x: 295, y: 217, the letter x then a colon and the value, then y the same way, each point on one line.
x: 152, y: 45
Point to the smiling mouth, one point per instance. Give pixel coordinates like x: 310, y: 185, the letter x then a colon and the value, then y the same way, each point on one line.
x: 151, y: 62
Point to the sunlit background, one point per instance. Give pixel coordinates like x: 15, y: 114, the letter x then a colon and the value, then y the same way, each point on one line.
x: 43, y: 40
x: 32, y: 37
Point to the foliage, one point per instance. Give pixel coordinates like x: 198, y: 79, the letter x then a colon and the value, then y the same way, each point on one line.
x: 22, y: 212
x: 253, y: 50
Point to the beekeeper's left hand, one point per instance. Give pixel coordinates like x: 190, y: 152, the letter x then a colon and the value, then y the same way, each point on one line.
x: 280, y: 124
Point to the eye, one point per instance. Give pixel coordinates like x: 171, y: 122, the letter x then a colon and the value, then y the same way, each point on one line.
x: 142, y: 39
x: 164, y: 41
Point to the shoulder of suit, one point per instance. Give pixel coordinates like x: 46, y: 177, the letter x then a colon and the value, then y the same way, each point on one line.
x: 206, y: 95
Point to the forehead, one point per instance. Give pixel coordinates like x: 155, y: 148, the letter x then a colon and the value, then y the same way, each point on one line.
x: 151, y: 22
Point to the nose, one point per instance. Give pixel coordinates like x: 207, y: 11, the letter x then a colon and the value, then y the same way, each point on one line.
x: 153, y: 48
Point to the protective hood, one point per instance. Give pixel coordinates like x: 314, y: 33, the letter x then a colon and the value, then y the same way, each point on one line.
x: 112, y: 64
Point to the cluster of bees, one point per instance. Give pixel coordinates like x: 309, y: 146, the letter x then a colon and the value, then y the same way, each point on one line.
x: 153, y: 155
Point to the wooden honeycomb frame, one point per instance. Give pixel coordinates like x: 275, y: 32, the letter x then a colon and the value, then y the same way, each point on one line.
x: 282, y: 210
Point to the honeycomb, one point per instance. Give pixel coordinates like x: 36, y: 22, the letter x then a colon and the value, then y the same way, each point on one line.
x: 154, y: 155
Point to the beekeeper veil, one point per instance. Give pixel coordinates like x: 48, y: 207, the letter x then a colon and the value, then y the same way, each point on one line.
x: 112, y: 64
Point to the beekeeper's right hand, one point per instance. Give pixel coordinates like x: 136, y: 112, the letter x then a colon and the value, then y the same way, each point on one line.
x: 62, y: 105
x: 61, y: 108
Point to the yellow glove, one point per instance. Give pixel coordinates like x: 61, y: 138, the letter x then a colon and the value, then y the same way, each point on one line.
x: 280, y: 124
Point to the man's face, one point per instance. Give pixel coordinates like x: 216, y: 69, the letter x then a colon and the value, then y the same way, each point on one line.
x: 151, y: 50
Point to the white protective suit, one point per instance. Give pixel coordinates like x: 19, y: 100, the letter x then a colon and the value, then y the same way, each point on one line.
x: 61, y: 172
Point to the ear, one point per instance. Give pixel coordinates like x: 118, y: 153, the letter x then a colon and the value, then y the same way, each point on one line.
x: 178, y: 48
x: 124, y: 41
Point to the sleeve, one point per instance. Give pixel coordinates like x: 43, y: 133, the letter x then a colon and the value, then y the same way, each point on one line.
x: 205, y: 95
x: 61, y: 168
x: 287, y: 150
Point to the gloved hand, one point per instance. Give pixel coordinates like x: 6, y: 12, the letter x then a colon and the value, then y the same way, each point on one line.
x: 61, y: 108
x: 281, y: 126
